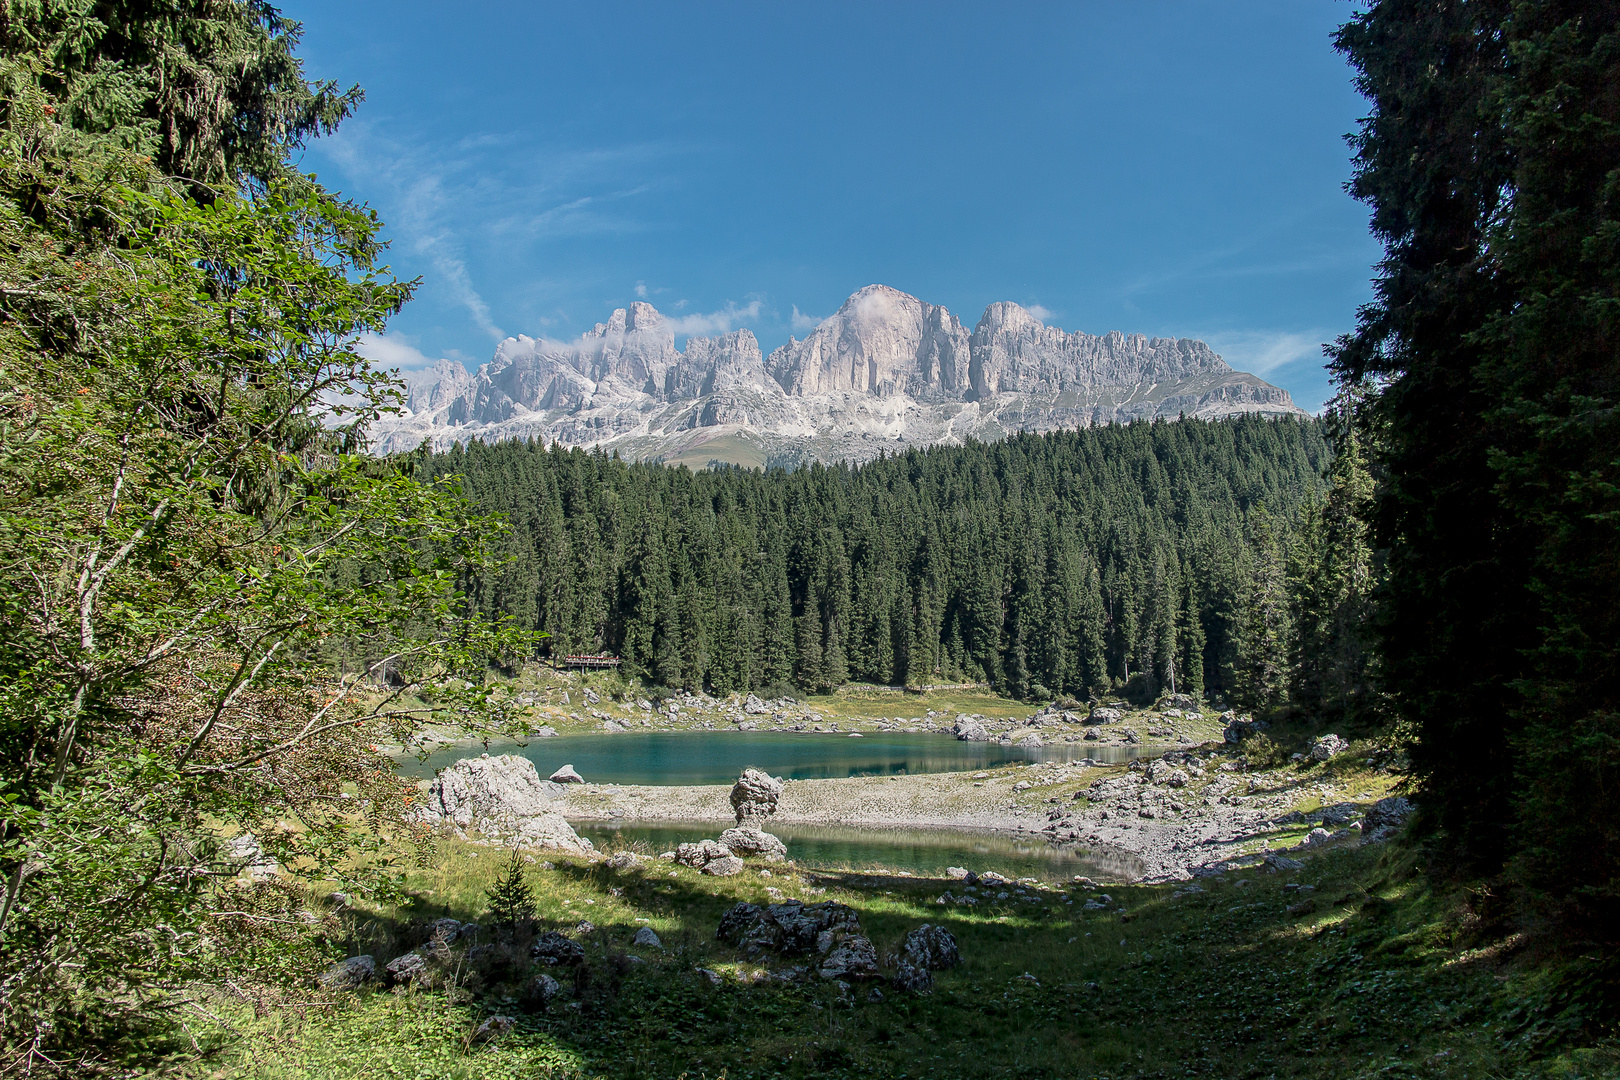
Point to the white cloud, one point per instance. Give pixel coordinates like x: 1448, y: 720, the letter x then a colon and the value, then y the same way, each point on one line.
x: 1261, y: 352
x: 392, y: 352
x: 1042, y: 313
x: 715, y: 322
x: 801, y: 321
x: 641, y: 289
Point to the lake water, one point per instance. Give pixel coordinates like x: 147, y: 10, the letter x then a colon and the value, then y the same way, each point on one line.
x: 922, y: 852
x: 716, y: 757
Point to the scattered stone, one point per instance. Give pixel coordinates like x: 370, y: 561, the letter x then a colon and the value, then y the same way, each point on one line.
x: 1327, y: 747
x: 552, y: 948
x: 967, y: 729
x: 538, y: 992
x: 567, y: 775
x: 413, y: 967
x: 790, y: 928
x: 1316, y: 836
x: 647, y: 938
x: 1237, y: 730
x: 957, y: 873
x: 932, y: 948
x: 1384, y: 819
x: 627, y: 860
x: 1179, y: 701
x: 1282, y: 862
x: 725, y: 866
x: 1103, y: 715
x: 700, y: 854
x: 1023, y: 785
x: 495, y: 1027
x: 753, y: 797
x: 745, y: 840
x: 350, y: 973
x: 755, y: 707
x: 852, y: 958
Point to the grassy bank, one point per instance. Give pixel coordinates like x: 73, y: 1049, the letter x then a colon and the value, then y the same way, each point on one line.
x: 1351, y: 967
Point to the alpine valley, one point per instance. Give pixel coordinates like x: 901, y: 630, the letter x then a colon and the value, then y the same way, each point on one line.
x: 885, y: 372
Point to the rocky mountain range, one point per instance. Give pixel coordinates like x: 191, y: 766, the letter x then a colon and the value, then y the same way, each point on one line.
x: 885, y: 372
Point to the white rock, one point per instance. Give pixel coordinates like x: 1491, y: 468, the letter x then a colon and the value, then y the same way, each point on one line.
x: 567, y: 775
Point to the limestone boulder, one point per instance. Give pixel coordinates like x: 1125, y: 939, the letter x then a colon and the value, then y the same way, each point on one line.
x: 754, y: 796
x: 749, y: 842
x: 482, y: 787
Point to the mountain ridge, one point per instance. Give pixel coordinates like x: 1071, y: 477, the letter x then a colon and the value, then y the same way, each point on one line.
x: 885, y: 372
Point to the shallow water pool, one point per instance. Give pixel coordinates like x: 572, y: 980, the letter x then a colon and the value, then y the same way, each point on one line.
x: 920, y: 852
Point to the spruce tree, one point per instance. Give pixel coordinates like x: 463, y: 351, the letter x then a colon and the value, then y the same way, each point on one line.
x: 511, y: 899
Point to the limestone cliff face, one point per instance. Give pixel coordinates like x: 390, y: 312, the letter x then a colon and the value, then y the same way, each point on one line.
x: 886, y: 370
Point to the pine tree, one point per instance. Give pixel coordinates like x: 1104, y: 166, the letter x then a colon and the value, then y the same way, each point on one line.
x: 511, y: 899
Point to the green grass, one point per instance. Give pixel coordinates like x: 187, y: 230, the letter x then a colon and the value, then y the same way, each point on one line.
x: 1370, y: 974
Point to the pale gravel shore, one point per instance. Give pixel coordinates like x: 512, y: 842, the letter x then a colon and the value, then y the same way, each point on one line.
x: 1191, y: 829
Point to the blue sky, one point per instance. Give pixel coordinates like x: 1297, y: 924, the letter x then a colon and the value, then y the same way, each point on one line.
x: 1167, y: 168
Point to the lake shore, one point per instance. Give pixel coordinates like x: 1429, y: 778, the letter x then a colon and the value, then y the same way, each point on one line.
x: 1177, y: 825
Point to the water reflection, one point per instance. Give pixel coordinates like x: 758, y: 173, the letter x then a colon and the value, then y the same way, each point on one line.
x: 923, y: 852
x: 716, y: 757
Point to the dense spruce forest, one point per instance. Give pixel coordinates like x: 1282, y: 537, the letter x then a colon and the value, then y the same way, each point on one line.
x: 1138, y: 557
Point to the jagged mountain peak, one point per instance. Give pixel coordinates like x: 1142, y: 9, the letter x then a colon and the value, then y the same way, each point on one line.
x: 886, y: 368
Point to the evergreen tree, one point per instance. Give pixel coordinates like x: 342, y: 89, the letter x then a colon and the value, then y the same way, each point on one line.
x: 1491, y: 161
x: 510, y: 898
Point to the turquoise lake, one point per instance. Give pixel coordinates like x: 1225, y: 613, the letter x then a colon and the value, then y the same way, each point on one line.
x: 716, y: 757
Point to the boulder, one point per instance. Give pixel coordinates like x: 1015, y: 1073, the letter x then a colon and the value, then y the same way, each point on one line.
x: 547, y: 732
x: 567, y: 775
x: 852, y: 958
x: 591, y: 696
x: 755, y: 707
x: 244, y: 849
x: 1327, y: 747
x: 1316, y: 836
x: 413, y: 967
x: 349, y: 974
x: 492, y: 1029
x: 1162, y: 772
x: 647, y: 938
x: 932, y: 947
x: 1384, y: 818
x: 746, y: 841
x: 552, y: 948
x: 1104, y: 715
x: 725, y: 866
x: 968, y: 729
x: 1282, y: 862
x: 790, y: 928
x: 753, y: 797
x: 1393, y: 810
x: 1238, y: 729
x: 627, y: 860
x: 483, y: 787
x: 700, y: 854
x: 537, y: 993
x: 1178, y: 701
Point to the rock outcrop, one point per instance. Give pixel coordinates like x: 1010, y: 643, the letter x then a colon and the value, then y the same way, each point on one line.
x: 887, y: 370
x: 753, y: 797
x: 500, y: 797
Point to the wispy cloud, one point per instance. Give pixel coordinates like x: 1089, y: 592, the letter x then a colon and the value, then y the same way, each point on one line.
x: 641, y: 289
x: 447, y: 206
x: 1261, y: 352
x: 1042, y: 313
x: 392, y: 352
x: 714, y: 322
x: 801, y: 321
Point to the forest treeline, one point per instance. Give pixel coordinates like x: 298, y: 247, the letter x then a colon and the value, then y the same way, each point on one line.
x: 1136, y: 558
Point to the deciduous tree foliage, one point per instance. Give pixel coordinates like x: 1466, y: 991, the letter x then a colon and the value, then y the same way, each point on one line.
x: 187, y: 529
x: 1491, y: 161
